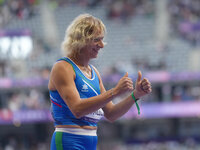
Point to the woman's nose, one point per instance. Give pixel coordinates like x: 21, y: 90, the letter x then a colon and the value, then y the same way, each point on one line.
x: 101, y: 44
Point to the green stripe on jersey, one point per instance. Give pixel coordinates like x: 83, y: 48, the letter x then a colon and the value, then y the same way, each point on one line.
x: 59, y: 145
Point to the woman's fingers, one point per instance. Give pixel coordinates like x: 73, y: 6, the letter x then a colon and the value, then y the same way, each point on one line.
x: 146, y: 85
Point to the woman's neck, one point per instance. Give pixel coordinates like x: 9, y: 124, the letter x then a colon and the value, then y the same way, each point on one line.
x: 79, y: 60
x: 83, y: 65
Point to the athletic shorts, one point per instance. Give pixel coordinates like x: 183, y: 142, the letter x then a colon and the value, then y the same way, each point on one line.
x: 68, y: 141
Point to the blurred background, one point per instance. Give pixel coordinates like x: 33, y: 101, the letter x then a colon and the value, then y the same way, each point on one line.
x: 159, y: 37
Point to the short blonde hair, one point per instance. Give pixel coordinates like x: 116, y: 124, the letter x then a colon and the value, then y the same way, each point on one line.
x: 80, y: 32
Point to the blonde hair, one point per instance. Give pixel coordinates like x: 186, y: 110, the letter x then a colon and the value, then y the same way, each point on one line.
x: 80, y: 32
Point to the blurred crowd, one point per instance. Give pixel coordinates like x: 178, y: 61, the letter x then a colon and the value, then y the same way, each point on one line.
x: 14, y: 143
x: 22, y: 9
x: 184, y: 14
x: 31, y: 99
x: 120, y: 9
x: 185, y: 93
x: 189, y: 144
x: 125, y: 9
x: 19, y: 70
x: 174, y: 93
x: 185, y: 19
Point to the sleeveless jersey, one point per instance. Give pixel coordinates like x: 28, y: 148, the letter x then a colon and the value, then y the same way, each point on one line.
x: 87, y: 88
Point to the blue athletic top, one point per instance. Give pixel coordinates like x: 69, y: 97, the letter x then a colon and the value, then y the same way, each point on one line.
x: 87, y: 88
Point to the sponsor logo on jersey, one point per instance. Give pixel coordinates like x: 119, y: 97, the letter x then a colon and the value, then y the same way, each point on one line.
x: 84, y: 88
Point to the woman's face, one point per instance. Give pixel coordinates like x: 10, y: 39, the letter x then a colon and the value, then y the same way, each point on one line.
x: 95, y: 45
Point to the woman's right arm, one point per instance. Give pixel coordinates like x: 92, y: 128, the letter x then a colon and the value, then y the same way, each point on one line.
x: 62, y: 79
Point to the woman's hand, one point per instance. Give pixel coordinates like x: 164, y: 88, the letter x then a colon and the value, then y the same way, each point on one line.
x: 142, y: 86
x: 124, y: 85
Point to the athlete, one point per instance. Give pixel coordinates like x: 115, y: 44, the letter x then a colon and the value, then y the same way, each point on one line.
x: 79, y: 99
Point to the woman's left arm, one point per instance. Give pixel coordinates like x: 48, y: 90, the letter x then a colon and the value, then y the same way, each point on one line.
x: 114, y: 111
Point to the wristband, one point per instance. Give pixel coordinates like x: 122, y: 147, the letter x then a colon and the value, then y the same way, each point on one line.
x: 138, y: 108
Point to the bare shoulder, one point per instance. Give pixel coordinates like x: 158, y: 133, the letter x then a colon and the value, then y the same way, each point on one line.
x: 59, y: 70
x: 62, y: 65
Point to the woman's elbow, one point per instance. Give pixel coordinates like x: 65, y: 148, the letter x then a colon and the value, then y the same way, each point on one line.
x: 111, y: 119
x: 77, y: 111
x: 77, y: 114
